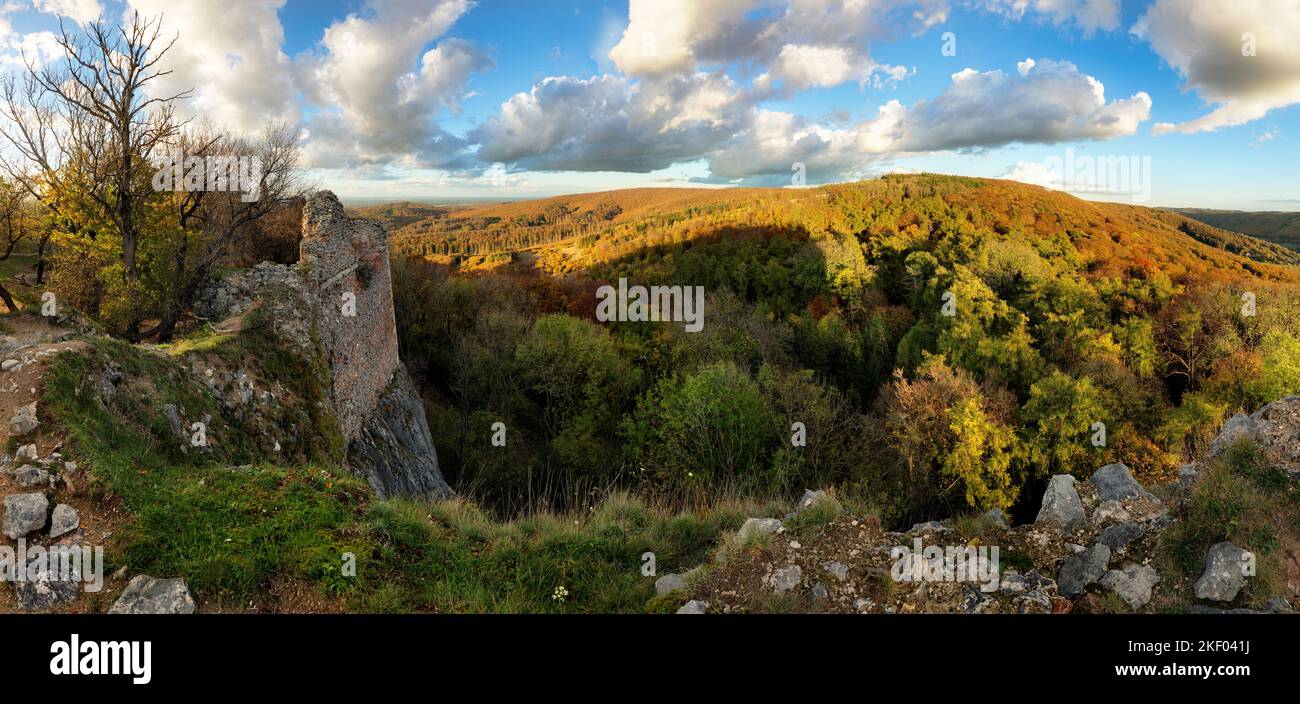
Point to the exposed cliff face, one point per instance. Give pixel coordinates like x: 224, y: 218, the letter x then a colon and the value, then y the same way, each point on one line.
x: 336, y: 308
x: 393, y: 448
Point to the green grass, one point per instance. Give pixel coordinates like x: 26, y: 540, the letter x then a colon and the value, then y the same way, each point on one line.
x: 450, y: 557
x: 1242, y: 499
x: 230, y: 523
x: 1010, y: 558
x: 816, y: 516
x: 204, y: 339
x: 228, y: 527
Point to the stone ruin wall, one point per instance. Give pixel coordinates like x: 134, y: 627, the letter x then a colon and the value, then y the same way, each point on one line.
x: 341, y: 255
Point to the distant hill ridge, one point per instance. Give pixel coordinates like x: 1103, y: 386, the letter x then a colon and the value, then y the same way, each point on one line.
x: 1281, y: 228
x: 567, y: 233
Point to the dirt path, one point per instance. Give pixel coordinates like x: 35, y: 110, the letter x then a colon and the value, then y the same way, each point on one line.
x: 28, y: 345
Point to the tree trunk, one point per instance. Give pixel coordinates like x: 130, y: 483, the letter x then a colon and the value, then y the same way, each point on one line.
x: 40, y: 260
x: 8, y: 300
x: 128, y: 251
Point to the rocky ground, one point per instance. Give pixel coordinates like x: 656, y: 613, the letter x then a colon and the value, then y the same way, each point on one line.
x: 1093, y: 547
x: 47, y: 500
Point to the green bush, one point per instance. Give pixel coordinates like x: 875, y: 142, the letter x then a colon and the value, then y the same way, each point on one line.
x: 711, y: 429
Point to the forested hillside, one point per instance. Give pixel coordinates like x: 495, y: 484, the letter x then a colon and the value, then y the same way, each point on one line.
x: 1279, y: 227
x: 1079, y: 334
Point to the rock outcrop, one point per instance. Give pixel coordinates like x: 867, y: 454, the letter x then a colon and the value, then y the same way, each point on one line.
x: 1086, y: 568
x: 64, y: 520
x: 335, y: 307
x: 393, y: 449
x: 1133, y: 584
x: 1275, y: 428
x: 1115, y: 482
x: 344, y: 262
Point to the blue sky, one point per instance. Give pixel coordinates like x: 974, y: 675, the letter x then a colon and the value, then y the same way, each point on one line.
x: 449, y: 99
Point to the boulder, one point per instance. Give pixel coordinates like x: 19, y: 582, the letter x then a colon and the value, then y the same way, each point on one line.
x: 1224, y: 574
x: 931, y: 527
x: 814, y: 498
x: 1034, y: 602
x: 1276, y: 605
x: 1115, y: 482
x: 45, y: 594
x: 1110, y: 511
x: 63, y: 520
x: 1275, y: 428
x: 1061, y: 509
x: 838, y: 570
x: 1133, y: 584
x: 996, y: 518
x: 811, y: 498
x: 694, y: 606
x: 1083, y: 569
x: 1237, y: 427
x: 23, y: 422
x: 670, y: 583
x: 175, y: 421
x: 1117, y: 535
x: 787, y: 578
x: 30, y: 475
x: 24, y: 513
x: 974, y: 601
x: 1012, y: 582
x: 147, y: 595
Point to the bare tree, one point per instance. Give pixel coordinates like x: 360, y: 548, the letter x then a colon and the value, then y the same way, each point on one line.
x: 87, y: 125
x: 103, y: 81
x: 213, y: 222
x: 88, y: 137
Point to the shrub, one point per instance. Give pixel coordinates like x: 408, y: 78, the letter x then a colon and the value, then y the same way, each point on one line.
x: 711, y: 429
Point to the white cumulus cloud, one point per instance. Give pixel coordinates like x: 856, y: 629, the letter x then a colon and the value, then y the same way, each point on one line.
x: 229, y: 54
x: 1207, y: 42
x: 1036, y: 173
x: 613, y: 123
x: 380, y: 90
x: 802, y: 43
x: 1088, y: 15
x: 1052, y: 101
x: 80, y: 10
